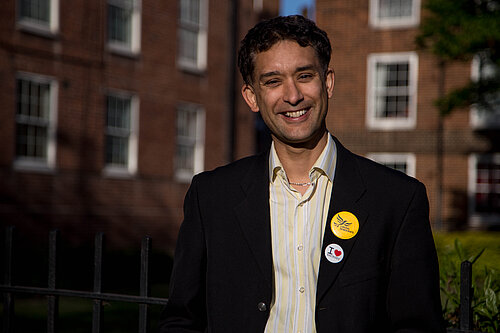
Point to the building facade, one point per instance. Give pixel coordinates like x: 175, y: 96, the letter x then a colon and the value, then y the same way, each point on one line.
x: 108, y: 108
x: 383, y: 108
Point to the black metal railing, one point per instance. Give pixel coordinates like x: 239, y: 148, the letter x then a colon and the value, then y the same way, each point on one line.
x: 53, y: 292
x: 143, y: 299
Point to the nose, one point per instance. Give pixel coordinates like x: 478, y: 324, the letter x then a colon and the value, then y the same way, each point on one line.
x: 292, y: 93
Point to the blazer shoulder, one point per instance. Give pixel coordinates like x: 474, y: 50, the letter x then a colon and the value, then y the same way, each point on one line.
x: 234, y: 172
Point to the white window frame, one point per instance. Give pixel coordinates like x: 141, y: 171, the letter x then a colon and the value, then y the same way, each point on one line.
x: 394, y: 22
x: 379, y: 123
x: 134, y: 47
x: 258, y: 5
x: 388, y: 158
x: 479, y: 219
x: 183, y: 175
x: 49, y: 162
x: 479, y: 118
x: 48, y: 29
x: 114, y: 170
x: 202, y: 41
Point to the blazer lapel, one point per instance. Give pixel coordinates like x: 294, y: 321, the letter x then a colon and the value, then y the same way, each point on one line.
x: 347, y: 189
x: 253, y: 214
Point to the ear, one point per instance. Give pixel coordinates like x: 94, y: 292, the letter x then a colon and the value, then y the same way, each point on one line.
x: 250, y: 97
x: 329, y: 82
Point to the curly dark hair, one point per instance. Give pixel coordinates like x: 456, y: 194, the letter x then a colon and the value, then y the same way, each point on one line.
x: 267, y: 33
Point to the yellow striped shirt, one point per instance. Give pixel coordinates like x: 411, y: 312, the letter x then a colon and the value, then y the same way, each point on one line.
x: 297, y: 226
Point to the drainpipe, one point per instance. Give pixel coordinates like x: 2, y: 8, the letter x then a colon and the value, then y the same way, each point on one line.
x: 232, y: 80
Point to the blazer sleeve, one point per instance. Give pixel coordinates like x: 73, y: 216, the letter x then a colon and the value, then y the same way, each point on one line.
x: 186, y: 309
x: 413, y: 298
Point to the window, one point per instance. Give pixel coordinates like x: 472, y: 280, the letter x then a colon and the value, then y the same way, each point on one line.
x: 394, y: 13
x: 124, y: 26
x: 39, y: 16
x: 193, y: 34
x: 121, y: 134
x: 392, y: 91
x: 404, y: 162
x: 484, y: 188
x: 483, y: 68
x: 190, y: 150
x: 35, y: 121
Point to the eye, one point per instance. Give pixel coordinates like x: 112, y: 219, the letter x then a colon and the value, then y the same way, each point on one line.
x: 272, y: 82
x: 305, y: 76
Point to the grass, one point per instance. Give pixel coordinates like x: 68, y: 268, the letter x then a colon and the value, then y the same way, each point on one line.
x: 473, y: 242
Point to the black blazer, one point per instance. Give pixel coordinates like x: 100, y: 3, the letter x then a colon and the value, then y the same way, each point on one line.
x: 388, y: 280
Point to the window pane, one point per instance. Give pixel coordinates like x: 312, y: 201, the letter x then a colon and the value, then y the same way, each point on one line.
x: 186, y: 140
x: 38, y: 10
x: 395, y: 8
x: 190, y: 11
x: 118, y: 115
x: 120, y: 23
x: 188, y: 45
x: 118, y: 130
x: 392, y: 90
x: 33, y: 110
x: 185, y: 158
x: 487, y: 186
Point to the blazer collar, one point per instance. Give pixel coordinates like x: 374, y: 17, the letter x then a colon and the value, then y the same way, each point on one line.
x: 348, y: 188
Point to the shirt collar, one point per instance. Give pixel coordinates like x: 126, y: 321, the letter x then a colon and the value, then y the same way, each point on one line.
x: 325, y: 163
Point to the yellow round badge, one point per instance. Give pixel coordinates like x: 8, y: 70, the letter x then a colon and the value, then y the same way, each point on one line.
x: 345, y: 225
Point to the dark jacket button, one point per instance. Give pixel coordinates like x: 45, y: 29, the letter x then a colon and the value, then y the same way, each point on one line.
x: 262, y: 306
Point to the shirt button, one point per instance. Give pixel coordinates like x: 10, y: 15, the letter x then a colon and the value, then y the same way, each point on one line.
x: 301, y: 289
x: 300, y: 247
x: 262, y: 306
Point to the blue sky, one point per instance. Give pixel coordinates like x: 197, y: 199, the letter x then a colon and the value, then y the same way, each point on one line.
x: 289, y: 7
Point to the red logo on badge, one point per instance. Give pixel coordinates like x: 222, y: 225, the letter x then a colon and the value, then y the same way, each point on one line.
x: 337, y: 253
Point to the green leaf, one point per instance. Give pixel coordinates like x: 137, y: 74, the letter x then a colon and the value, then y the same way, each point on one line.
x: 491, y: 300
x: 474, y: 258
x: 459, y: 249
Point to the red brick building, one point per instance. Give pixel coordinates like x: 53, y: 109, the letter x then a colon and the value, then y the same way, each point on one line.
x: 383, y: 108
x: 108, y: 108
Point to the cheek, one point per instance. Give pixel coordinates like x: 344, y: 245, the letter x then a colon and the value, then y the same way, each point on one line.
x: 269, y: 100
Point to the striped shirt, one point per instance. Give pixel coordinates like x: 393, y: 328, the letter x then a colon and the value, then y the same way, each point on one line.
x: 297, y: 226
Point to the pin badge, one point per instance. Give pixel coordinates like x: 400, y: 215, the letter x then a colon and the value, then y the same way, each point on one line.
x: 344, y: 225
x: 334, y: 253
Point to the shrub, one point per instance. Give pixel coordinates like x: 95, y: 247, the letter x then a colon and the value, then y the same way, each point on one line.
x: 486, y: 281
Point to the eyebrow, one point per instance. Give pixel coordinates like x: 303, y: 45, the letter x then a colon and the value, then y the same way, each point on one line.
x: 273, y: 73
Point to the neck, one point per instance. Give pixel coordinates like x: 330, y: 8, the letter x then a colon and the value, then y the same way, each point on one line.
x: 297, y: 160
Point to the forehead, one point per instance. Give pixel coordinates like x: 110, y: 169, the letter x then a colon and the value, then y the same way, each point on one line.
x: 285, y: 56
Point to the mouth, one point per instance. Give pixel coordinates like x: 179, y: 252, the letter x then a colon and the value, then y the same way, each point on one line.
x: 295, y: 114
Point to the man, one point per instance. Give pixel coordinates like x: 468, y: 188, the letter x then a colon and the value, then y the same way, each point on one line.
x: 306, y: 237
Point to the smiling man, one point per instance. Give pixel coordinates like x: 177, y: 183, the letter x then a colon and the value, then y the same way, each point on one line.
x: 306, y: 237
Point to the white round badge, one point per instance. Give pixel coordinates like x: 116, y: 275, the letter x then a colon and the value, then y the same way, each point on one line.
x: 334, y: 253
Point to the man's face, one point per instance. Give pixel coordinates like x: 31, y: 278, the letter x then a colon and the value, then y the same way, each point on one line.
x: 291, y: 92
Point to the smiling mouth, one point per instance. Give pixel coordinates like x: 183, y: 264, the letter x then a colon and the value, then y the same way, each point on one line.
x: 295, y: 114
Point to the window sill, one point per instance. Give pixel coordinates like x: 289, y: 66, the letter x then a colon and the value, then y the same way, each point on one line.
x: 123, y: 51
x: 30, y: 165
x: 190, y: 68
x: 37, y: 29
x: 482, y: 221
x: 391, y: 125
x: 118, y: 172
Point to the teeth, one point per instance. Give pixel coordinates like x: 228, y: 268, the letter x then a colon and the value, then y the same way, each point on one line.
x: 295, y: 114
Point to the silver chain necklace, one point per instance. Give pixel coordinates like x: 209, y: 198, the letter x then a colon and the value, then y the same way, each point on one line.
x: 300, y: 184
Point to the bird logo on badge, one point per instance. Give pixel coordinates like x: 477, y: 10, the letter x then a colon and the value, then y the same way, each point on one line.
x: 344, y: 225
x: 341, y: 221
